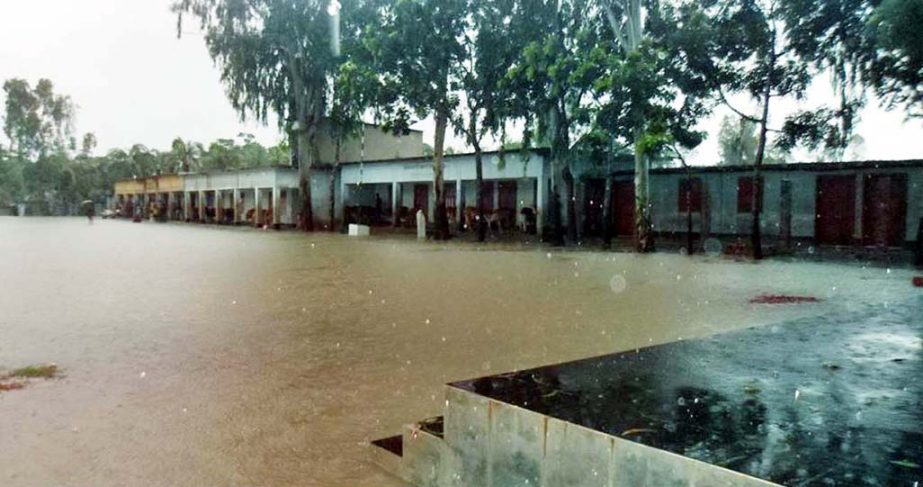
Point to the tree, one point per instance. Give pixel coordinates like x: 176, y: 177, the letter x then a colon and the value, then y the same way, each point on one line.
x: 489, y: 49
x: 88, y: 144
x: 548, y: 93
x: 896, y: 69
x: 353, y: 93
x: 773, y: 49
x: 37, y: 121
x: 828, y: 35
x: 275, y: 56
x: 653, y: 90
x: 418, y: 51
x: 185, y: 154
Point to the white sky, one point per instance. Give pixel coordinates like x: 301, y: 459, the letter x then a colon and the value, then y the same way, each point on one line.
x: 135, y: 82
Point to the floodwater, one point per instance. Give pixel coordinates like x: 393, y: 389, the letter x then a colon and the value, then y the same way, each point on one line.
x: 201, y: 355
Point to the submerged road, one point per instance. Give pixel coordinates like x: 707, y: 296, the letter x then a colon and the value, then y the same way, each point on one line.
x: 197, y: 355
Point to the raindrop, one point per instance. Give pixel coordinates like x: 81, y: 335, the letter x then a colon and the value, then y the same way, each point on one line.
x: 142, y: 375
x: 427, y: 321
x: 618, y: 284
x: 712, y: 247
x: 234, y: 302
x: 683, y: 251
x: 811, y: 249
x: 797, y: 394
x: 548, y: 255
x: 681, y: 401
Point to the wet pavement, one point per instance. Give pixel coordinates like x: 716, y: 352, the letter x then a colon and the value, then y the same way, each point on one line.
x: 827, y: 400
x: 199, y: 355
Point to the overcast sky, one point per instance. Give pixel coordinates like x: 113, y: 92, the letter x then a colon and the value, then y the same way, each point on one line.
x: 135, y: 82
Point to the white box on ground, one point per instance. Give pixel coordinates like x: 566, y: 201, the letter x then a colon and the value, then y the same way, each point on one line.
x: 358, y: 230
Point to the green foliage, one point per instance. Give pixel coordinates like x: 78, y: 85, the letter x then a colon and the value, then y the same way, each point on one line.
x: 45, y: 170
x: 36, y: 120
x: 896, y: 71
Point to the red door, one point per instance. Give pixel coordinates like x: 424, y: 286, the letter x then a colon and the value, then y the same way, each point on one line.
x: 623, y: 198
x: 835, y: 215
x: 421, y: 198
x: 884, y: 209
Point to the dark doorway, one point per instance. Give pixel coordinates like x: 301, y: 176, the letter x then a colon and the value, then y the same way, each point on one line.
x: 835, y: 215
x: 623, y: 198
x: 487, y: 198
x: 421, y: 198
x: 884, y: 209
x: 593, y: 205
x: 507, y: 196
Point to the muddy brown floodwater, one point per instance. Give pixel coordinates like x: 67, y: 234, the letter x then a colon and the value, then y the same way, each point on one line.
x: 200, y: 355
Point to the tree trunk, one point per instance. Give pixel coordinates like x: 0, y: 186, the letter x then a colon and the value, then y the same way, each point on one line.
x: 441, y: 218
x: 607, y: 210
x: 644, y: 232
x: 689, y: 240
x: 757, y: 193
x: 481, y: 220
x: 305, y: 168
x: 570, y: 204
x: 332, y: 186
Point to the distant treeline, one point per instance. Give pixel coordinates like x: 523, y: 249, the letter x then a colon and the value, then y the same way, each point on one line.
x: 41, y: 160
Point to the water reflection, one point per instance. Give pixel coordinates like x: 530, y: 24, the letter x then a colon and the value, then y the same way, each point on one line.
x: 824, y: 401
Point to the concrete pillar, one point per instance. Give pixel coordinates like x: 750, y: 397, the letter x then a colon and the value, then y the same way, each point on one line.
x: 238, y: 206
x: 257, y: 219
x: 395, y: 204
x: 187, y: 205
x: 276, y: 206
x: 168, y: 204
x: 540, y: 204
x: 202, y: 205
x: 860, y: 198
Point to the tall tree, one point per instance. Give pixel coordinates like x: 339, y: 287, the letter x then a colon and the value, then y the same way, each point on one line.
x: 652, y: 88
x: 275, y: 56
x: 418, y: 49
x: 37, y: 120
x: 548, y: 93
x: 489, y: 47
x: 751, y: 53
x: 352, y: 94
x: 185, y: 154
x: 88, y: 144
x: 773, y: 49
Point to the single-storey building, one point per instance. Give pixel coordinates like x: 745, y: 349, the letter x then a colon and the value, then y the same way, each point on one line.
x: 870, y: 203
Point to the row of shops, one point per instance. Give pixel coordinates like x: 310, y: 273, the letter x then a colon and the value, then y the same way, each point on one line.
x: 877, y: 203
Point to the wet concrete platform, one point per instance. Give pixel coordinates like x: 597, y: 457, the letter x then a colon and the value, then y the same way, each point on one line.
x: 832, y: 400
